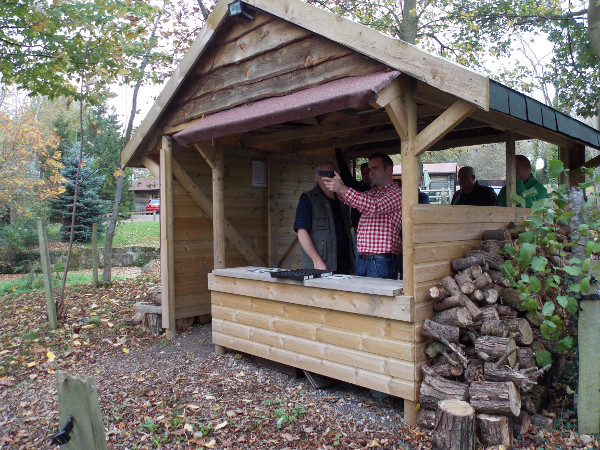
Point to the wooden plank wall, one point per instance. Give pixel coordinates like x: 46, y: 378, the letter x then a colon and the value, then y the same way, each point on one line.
x: 265, y: 58
x: 245, y: 208
x: 369, y: 351
x: 442, y: 233
x: 296, y: 175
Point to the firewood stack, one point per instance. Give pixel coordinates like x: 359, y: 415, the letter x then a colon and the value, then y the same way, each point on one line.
x: 482, y: 351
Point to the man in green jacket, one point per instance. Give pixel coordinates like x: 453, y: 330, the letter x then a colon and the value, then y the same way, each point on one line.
x: 525, y: 181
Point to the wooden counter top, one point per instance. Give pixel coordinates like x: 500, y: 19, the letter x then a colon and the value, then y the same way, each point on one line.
x: 348, y: 283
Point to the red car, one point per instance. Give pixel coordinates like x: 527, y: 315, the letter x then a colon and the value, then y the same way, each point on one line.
x: 153, y: 205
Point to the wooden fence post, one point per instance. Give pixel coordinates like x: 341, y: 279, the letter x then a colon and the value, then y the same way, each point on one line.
x: 95, y: 255
x: 588, y: 397
x: 47, y: 273
x: 78, y: 397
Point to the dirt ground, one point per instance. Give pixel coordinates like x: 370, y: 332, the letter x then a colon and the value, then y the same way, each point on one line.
x: 156, y: 393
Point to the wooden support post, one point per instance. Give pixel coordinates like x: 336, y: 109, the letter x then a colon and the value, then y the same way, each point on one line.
x: 78, y: 397
x: 272, y: 210
x: 218, y: 208
x: 167, y: 263
x: 576, y: 160
x: 47, y: 271
x: 588, y: 395
x: 563, y: 155
x: 410, y: 184
x: 95, y: 255
x: 410, y: 412
x: 219, y: 349
x: 511, y: 174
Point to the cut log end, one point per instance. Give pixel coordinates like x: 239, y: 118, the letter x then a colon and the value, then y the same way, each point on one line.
x: 454, y: 425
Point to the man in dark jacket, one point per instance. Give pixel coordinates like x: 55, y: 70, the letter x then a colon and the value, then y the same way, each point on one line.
x: 323, y: 227
x: 471, y: 192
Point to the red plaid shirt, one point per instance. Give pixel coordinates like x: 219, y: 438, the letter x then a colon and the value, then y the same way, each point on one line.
x: 381, y: 218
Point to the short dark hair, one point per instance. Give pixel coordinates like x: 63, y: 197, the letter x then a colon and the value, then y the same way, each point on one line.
x: 524, y: 160
x: 364, y: 165
x: 387, y: 161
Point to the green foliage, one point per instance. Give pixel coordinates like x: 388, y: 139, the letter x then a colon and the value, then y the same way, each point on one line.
x: 104, y: 145
x: 46, y: 46
x: 17, y: 237
x: 90, y: 208
x: 553, y: 292
x: 471, y: 33
x: 285, y: 418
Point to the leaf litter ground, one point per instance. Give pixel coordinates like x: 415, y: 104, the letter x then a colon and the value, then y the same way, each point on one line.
x: 173, y: 395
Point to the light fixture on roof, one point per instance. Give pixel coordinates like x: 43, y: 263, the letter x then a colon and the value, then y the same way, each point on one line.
x: 239, y: 12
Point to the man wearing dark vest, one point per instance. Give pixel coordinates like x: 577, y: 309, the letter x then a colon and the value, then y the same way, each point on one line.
x: 323, y: 227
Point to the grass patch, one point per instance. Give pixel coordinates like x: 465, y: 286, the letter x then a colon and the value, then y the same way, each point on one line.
x: 129, y: 234
x: 29, y: 282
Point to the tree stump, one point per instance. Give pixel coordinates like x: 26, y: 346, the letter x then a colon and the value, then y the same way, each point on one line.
x: 154, y: 323
x: 494, y: 430
x: 495, y: 397
x: 454, y: 426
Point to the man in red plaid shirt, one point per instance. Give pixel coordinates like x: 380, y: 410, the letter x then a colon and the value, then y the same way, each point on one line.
x: 379, y: 240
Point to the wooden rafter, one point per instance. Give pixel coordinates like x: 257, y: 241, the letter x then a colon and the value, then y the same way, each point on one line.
x: 207, y: 151
x: 206, y: 205
x: 445, y: 122
x: 346, y: 140
x: 349, y: 124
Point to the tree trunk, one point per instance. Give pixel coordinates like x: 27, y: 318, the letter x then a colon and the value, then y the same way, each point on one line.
x: 440, y: 332
x: 495, y: 397
x: 494, y: 328
x: 112, y: 221
x: 458, y: 317
x: 521, y: 424
x: 447, y: 367
x: 490, y: 296
x: 454, y: 426
x: 496, y: 235
x: 409, y: 24
x: 434, y: 389
x: 426, y: 418
x: 521, y: 330
x: 594, y: 28
x: 494, y: 430
x: 496, y: 347
x: 524, y: 378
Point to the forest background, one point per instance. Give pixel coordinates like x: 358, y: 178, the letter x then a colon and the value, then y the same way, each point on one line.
x: 72, y: 72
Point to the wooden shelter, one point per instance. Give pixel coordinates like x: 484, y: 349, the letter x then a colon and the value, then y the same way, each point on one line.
x: 235, y: 137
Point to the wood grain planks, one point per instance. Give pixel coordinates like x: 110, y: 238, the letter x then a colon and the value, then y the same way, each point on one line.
x: 382, y: 383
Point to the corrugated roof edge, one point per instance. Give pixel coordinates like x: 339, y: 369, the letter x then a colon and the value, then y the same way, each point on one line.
x: 500, y: 101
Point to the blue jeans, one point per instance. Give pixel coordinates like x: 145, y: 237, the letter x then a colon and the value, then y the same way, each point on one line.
x: 380, y: 267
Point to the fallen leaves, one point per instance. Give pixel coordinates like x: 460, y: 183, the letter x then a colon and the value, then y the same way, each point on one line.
x: 159, y: 394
